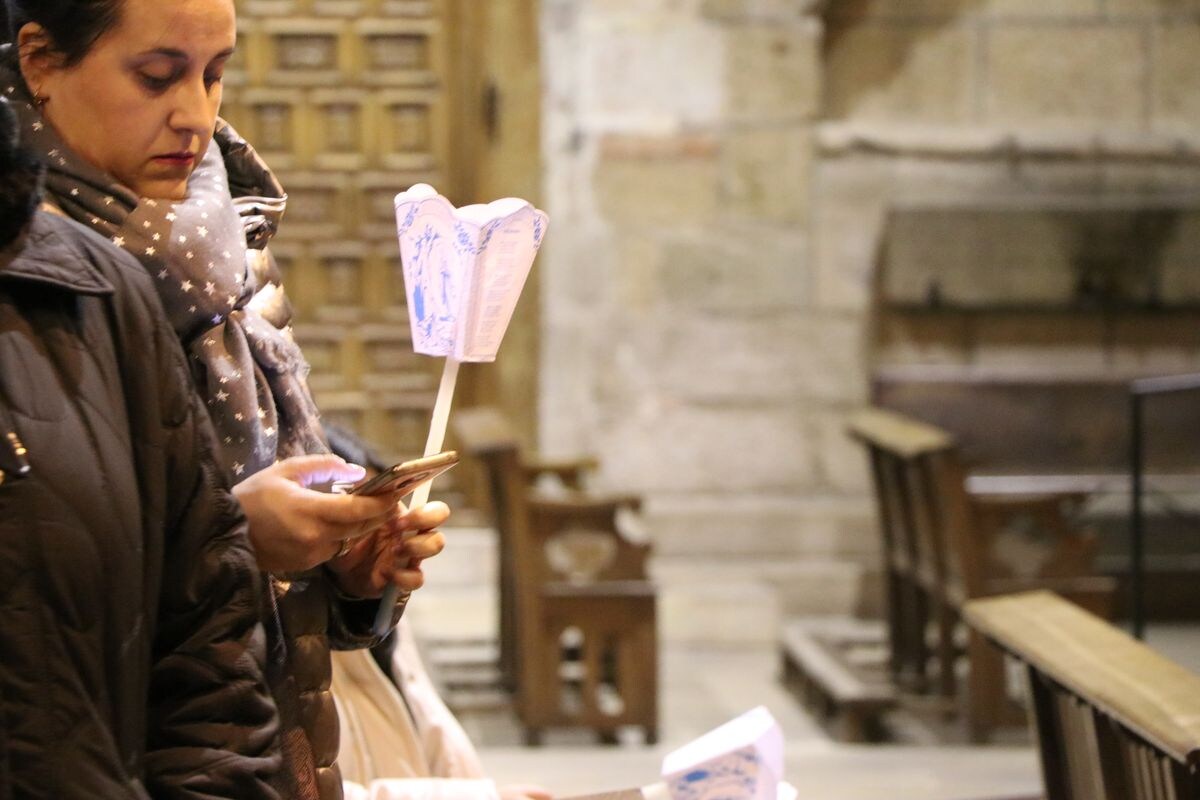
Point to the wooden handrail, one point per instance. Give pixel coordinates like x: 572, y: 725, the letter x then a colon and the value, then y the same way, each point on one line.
x: 1145, y: 692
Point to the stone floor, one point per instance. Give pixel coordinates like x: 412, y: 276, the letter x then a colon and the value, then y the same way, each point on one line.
x: 702, y: 687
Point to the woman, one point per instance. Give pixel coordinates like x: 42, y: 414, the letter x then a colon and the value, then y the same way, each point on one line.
x: 121, y: 97
x: 131, y: 652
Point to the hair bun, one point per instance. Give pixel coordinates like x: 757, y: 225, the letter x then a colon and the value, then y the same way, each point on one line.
x: 10, y: 132
x: 20, y: 177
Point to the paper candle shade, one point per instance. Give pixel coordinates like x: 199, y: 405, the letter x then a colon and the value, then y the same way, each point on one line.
x: 464, y: 269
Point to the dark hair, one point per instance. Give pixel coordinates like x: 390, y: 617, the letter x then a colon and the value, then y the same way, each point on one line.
x: 20, y: 178
x: 73, y: 26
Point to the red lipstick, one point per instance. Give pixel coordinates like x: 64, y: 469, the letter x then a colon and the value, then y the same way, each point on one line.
x: 182, y: 158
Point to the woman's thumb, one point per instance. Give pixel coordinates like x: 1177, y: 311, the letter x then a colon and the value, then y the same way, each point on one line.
x: 312, y: 470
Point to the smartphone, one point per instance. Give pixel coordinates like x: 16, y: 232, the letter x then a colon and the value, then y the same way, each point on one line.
x: 405, y: 477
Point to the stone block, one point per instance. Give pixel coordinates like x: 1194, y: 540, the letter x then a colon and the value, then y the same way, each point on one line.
x: 663, y: 445
x: 841, y: 462
x: 759, y: 9
x: 676, y: 191
x: 904, y: 11
x: 652, y: 71
x: 1152, y: 7
x: 1044, y: 341
x: 728, y: 359
x: 1069, y: 74
x: 774, y: 70
x: 569, y: 414
x: 767, y: 173
x: 1039, y: 9
x: 945, y: 179
x: 1176, y: 102
x: 764, y: 360
x: 900, y: 73
x: 736, y: 269
x: 636, y: 271
x: 579, y: 266
x: 832, y: 358
x: 848, y: 224
x: 765, y: 527
x: 846, y: 256
x: 842, y: 13
x: 1150, y: 179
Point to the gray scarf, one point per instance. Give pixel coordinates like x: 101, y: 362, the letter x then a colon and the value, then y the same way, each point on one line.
x: 205, y: 254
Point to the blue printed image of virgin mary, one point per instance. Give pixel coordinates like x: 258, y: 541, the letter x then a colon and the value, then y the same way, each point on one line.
x: 433, y: 283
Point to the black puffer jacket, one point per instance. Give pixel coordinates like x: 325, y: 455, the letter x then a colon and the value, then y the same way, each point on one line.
x: 131, y: 648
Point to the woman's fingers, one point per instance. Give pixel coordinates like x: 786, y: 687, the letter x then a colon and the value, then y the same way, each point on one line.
x: 423, y: 545
x: 346, y: 509
x: 426, y: 517
x: 409, y: 580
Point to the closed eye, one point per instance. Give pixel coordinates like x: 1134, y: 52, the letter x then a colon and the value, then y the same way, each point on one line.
x: 157, y: 83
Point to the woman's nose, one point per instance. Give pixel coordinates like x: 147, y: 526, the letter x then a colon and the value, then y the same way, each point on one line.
x: 193, y: 111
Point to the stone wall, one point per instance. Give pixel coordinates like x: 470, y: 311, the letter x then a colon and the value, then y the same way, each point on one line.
x: 720, y: 173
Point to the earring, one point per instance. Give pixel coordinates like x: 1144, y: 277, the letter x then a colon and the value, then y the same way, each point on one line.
x: 40, y: 99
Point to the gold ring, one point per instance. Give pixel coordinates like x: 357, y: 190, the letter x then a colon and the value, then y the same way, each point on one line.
x: 344, y: 547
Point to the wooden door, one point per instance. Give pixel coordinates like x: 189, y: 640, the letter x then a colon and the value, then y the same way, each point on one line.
x: 497, y: 147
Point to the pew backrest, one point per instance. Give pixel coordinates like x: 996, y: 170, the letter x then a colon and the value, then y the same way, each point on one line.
x: 1043, y: 423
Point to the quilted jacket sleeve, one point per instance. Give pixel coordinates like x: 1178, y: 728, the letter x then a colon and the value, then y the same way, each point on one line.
x: 212, y: 725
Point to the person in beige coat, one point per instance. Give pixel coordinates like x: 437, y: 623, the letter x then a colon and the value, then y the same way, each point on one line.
x: 399, y: 740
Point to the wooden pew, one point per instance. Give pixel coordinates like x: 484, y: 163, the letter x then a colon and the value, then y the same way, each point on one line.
x: 1114, y: 719
x: 1011, y: 424
x: 941, y: 548
x: 578, y: 630
x: 1023, y: 430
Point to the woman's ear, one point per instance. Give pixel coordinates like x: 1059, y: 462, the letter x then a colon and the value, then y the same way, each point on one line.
x: 38, y: 60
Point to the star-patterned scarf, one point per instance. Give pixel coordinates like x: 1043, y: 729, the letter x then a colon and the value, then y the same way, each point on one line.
x: 205, y: 254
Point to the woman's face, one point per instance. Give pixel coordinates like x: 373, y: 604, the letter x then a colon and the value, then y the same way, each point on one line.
x: 142, y: 104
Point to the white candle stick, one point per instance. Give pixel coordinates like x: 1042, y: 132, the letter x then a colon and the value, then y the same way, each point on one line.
x: 433, y: 446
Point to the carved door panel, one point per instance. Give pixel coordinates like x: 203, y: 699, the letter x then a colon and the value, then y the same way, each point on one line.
x: 349, y: 101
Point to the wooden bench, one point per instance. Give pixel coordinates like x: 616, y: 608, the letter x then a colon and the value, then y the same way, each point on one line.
x: 942, y: 547
x: 1114, y: 719
x: 837, y: 672
x: 578, y: 627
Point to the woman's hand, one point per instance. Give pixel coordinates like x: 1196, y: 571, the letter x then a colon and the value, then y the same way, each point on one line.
x: 294, y: 528
x: 393, y: 553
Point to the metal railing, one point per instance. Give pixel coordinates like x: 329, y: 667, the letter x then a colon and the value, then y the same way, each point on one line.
x: 1139, y: 391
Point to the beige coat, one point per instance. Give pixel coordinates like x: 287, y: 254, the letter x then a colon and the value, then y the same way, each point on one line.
x: 407, y: 745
